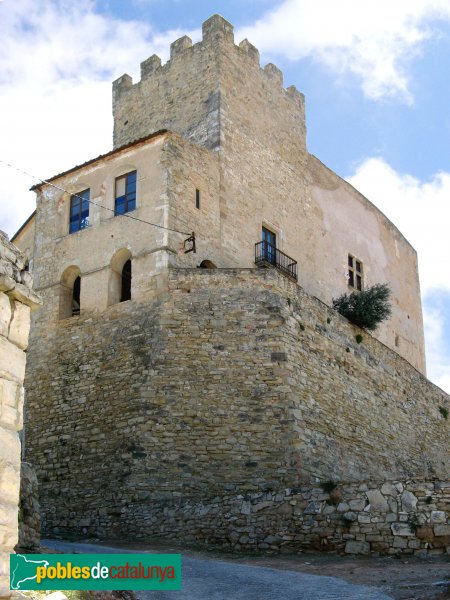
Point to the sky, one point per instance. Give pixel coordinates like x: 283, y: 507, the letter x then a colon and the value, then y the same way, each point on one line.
x: 375, y: 75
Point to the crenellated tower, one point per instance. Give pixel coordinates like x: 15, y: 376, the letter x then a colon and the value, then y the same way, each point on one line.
x: 210, y: 92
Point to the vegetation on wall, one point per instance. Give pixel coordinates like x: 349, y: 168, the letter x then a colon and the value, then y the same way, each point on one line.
x: 366, y: 309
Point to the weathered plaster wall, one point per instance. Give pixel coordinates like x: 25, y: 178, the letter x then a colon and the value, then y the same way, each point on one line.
x: 16, y: 301
x: 233, y: 382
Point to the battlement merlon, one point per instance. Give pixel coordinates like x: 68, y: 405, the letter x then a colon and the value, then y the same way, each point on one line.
x: 181, y: 93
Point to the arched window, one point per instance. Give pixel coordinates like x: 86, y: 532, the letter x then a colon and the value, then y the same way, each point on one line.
x: 76, y: 303
x: 119, y: 289
x: 126, y: 281
x: 70, y: 293
x: 207, y: 264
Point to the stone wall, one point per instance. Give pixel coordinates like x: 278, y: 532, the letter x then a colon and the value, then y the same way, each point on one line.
x: 29, y: 510
x: 216, y: 95
x: 231, y: 389
x: 16, y: 301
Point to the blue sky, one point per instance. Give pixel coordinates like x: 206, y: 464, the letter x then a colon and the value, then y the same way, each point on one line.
x: 374, y: 73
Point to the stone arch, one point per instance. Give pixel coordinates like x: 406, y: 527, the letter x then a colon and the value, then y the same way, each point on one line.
x: 120, y: 277
x: 70, y: 292
x: 207, y: 264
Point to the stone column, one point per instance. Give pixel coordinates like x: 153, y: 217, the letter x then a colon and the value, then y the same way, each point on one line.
x: 16, y: 301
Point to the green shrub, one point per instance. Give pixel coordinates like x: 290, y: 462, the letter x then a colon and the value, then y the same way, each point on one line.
x: 443, y: 411
x: 358, y: 338
x: 328, y: 486
x: 366, y: 309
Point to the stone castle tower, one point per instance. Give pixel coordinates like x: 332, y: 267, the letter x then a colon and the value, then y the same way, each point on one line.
x: 210, y: 403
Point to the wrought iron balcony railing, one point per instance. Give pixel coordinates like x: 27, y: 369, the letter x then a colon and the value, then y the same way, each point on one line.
x: 266, y: 254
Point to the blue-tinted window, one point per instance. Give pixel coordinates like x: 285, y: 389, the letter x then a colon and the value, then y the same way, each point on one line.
x: 125, y: 193
x: 79, y: 211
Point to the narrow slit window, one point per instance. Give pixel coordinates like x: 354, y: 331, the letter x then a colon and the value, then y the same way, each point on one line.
x: 197, y: 198
x: 355, y: 273
x: 126, y: 282
x: 76, y: 296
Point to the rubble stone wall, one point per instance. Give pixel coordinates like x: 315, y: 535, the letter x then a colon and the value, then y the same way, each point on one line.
x: 29, y: 510
x: 225, y: 406
x: 16, y: 301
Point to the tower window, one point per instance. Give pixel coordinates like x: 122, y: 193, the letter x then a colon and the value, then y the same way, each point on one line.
x: 355, y: 273
x: 197, y: 198
x: 125, y: 193
x: 79, y: 211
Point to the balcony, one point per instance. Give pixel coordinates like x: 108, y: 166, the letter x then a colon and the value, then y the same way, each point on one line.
x: 267, y: 255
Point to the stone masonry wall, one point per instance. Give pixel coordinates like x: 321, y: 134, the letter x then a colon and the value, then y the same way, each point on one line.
x: 216, y: 95
x: 16, y: 301
x: 29, y: 510
x: 223, y: 408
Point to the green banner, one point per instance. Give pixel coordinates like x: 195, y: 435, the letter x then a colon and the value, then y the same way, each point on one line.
x: 95, y: 571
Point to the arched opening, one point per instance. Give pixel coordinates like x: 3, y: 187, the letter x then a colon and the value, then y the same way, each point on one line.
x: 207, y: 264
x: 76, y: 303
x: 70, y: 293
x: 126, y: 281
x: 119, y: 287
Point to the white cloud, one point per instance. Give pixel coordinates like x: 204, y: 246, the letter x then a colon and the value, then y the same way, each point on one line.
x: 438, y: 358
x: 373, y: 39
x: 57, y: 61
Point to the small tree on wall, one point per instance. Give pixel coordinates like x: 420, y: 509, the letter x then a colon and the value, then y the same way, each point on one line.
x: 366, y: 309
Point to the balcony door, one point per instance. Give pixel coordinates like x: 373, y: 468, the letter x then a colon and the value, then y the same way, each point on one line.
x: 269, y: 245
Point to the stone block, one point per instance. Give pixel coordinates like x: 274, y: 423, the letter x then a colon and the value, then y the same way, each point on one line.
x: 401, y: 529
x: 12, y: 361
x: 377, y: 501
x: 11, y: 405
x: 409, y: 502
x: 400, y: 542
x: 5, y: 314
x: 387, y: 489
x: 441, y: 530
x: 20, y: 325
x: 357, y: 504
x: 23, y: 294
x: 9, y: 484
x: 6, y: 283
x: 10, y: 450
x: 356, y: 547
x: 425, y: 533
x: 9, y: 515
x: 438, y: 516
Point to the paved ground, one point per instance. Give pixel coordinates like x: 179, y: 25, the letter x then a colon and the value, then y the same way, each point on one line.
x: 209, y: 578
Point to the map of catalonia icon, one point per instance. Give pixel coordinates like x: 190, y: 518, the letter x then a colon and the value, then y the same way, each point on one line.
x: 24, y: 570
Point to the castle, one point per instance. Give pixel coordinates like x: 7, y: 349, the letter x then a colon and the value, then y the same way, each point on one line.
x: 164, y: 399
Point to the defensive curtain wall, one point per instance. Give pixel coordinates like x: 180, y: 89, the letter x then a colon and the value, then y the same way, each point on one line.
x: 235, y: 409
x: 16, y: 301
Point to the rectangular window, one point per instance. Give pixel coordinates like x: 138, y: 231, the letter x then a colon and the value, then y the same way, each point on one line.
x: 197, y: 198
x: 125, y: 193
x: 355, y: 273
x: 79, y: 211
x: 269, y: 239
